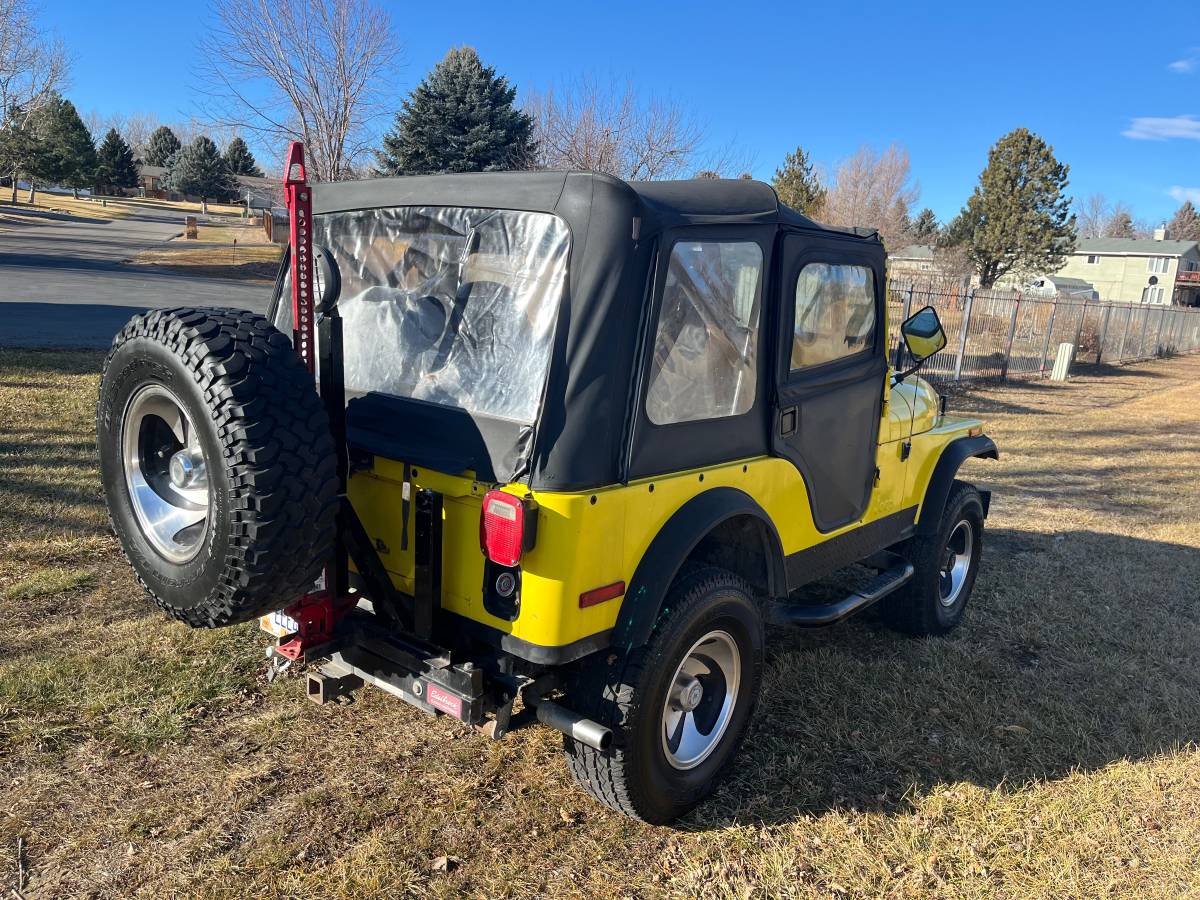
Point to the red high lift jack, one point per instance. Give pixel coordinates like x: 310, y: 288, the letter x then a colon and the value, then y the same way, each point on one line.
x: 315, y: 616
x: 317, y: 612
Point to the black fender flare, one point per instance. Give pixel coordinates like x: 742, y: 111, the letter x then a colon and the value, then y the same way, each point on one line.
x: 642, y: 605
x: 953, y: 456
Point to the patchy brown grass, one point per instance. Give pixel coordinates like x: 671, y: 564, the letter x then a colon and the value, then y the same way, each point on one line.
x: 228, y: 250
x: 101, y: 208
x: 83, y: 208
x: 1046, y: 749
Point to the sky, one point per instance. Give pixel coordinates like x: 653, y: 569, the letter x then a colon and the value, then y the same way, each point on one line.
x: 1116, y: 93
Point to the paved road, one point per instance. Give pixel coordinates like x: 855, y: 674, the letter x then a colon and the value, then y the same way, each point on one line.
x: 64, y: 284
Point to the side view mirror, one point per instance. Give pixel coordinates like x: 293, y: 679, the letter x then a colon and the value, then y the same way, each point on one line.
x: 923, y: 334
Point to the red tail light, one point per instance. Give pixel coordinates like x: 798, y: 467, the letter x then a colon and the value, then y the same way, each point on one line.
x: 506, y: 527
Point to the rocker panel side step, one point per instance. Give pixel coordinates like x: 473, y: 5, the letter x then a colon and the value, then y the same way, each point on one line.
x: 895, y: 576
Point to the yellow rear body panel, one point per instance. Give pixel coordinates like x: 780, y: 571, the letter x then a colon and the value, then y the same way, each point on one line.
x: 593, y: 539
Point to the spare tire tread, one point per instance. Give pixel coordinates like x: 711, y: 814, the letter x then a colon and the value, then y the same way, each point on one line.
x: 278, y: 452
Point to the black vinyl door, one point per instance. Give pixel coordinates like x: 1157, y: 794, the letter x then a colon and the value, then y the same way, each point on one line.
x: 831, y: 370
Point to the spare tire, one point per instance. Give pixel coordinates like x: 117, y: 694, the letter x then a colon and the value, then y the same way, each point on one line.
x: 217, y: 462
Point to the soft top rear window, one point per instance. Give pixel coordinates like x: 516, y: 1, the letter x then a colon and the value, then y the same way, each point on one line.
x: 450, y: 305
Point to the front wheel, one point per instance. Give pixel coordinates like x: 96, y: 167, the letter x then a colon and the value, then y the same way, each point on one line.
x: 678, y: 707
x: 945, y: 563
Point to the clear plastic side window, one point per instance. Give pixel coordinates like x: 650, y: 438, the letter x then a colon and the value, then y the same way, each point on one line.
x: 835, y: 313
x: 705, y: 362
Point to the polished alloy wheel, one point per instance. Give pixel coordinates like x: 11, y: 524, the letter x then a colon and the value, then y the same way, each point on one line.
x: 956, y: 562
x: 165, y: 472
x: 701, y: 700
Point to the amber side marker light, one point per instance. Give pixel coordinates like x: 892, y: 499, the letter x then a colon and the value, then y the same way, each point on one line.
x: 976, y: 431
x: 600, y: 594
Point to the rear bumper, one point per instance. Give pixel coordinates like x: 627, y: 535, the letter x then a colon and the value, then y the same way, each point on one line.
x: 480, y: 693
x: 416, y: 671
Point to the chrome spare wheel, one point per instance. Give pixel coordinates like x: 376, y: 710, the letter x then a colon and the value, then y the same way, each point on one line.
x: 701, y: 700
x: 956, y: 562
x: 165, y: 472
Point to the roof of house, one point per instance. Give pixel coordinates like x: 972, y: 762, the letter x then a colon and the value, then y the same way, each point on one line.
x: 1134, y: 246
x: 913, y: 251
x: 1070, y: 284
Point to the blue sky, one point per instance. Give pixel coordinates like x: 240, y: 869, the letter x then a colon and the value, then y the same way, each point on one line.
x: 1116, y: 93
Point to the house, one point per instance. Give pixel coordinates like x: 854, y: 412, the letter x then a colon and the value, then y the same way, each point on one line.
x: 1138, y: 270
x: 254, y: 193
x: 260, y: 193
x: 152, y: 181
x: 912, y: 261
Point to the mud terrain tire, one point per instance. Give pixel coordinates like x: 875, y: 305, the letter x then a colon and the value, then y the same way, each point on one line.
x: 224, y: 389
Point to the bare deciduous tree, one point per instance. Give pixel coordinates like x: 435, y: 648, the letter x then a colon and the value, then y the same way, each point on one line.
x: 953, y: 265
x: 1091, y: 215
x: 874, y: 191
x: 135, y: 128
x: 1096, y: 217
x: 313, y: 70
x: 604, y: 127
x: 33, y: 68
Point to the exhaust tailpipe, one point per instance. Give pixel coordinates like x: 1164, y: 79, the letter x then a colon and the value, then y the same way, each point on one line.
x: 574, y: 725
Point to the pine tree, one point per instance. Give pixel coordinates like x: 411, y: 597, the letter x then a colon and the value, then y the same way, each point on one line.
x: 115, y: 167
x: 70, y: 153
x: 1185, y: 224
x: 240, y: 160
x: 162, y: 145
x: 797, y: 184
x: 25, y: 145
x: 200, y: 170
x: 1019, y: 218
x: 19, y: 147
x: 461, y: 118
x: 924, y: 228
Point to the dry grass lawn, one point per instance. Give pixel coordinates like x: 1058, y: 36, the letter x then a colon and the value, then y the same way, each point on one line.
x: 97, y: 207
x: 227, y: 250
x: 1046, y: 749
x: 58, y: 203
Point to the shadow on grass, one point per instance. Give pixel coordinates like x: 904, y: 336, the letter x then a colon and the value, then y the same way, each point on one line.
x: 1078, y: 650
x: 54, y: 327
x: 258, y: 271
x: 1129, y: 369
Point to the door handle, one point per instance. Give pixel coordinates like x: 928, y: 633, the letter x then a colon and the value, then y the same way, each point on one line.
x: 788, y: 420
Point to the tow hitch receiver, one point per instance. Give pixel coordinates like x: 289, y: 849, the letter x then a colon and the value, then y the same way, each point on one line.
x: 332, y: 682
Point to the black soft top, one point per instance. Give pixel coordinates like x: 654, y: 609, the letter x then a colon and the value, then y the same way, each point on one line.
x: 583, y: 437
x: 662, y: 204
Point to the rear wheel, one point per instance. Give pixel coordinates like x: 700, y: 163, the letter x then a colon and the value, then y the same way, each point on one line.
x: 217, y: 463
x: 945, y: 565
x: 678, y: 707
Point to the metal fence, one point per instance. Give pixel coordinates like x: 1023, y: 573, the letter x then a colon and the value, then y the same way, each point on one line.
x: 1002, y: 334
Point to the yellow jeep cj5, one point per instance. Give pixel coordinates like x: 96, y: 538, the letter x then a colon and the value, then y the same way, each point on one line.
x: 546, y: 446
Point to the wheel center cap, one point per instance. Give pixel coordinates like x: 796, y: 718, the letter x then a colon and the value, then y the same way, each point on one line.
x: 185, y: 471
x: 688, y: 693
